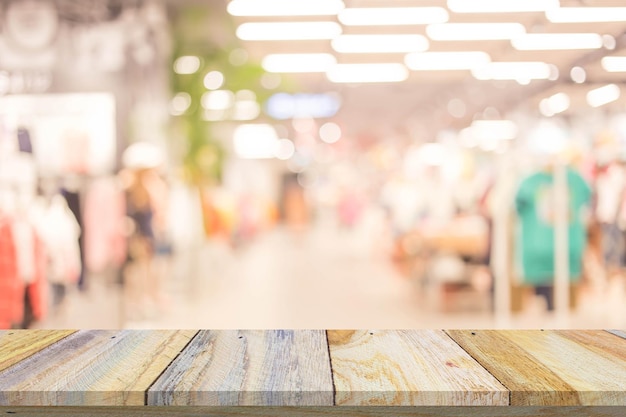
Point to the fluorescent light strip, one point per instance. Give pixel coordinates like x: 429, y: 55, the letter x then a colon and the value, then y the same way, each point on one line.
x: 285, y: 8
x: 557, y: 41
x: 554, y: 104
x: 513, y: 71
x: 392, y: 16
x: 501, y: 6
x: 430, y: 61
x: 474, y: 31
x: 380, y: 43
x: 367, y: 73
x: 270, y: 31
x: 614, y: 63
x: 603, y: 95
x: 586, y: 14
x: 285, y: 63
x: 494, y: 129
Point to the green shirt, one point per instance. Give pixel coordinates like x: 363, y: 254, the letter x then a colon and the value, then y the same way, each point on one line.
x: 535, y: 240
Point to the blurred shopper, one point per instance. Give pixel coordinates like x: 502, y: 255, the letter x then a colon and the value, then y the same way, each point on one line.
x: 535, y: 206
x: 146, y: 214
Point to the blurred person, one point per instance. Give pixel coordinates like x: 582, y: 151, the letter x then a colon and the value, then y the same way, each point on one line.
x: 534, y: 203
x: 146, y: 216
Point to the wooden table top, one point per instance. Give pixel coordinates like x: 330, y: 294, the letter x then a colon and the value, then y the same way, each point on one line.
x: 314, y: 368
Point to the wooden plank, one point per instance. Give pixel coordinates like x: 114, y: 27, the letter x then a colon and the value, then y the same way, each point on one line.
x: 16, y: 345
x: 265, y: 411
x: 408, y: 367
x: 556, y: 368
x: 620, y: 333
x: 93, y: 367
x: 281, y: 367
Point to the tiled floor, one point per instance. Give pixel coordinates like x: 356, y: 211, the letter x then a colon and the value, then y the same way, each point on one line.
x: 326, y: 278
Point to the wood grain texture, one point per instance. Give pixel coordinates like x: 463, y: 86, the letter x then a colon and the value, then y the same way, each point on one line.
x: 278, y: 367
x: 620, y: 333
x: 16, y: 345
x: 93, y: 367
x: 263, y: 411
x: 408, y: 367
x: 557, y: 368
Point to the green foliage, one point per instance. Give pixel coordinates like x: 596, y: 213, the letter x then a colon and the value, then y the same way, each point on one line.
x: 204, y: 156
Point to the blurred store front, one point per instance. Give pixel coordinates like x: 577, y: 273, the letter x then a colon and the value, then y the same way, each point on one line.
x: 336, y: 164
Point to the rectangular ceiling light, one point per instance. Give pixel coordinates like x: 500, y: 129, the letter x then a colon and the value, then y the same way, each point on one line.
x: 614, y: 63
x: 298, y: 62
x: 284, y: 8
x: 603, y: 95
x: 434, y: 61
x: 586, y: 14
x: 474, y: 31
x: 392, y: 16
x: 501, y: 6
x: 557, y: 41
x: 494, y: 129
x: 514, y: 71
x: 380, y: 43
x: 367, y: 73
x: 255, y: 141
x: 554, y: 104
x: 277, y: 31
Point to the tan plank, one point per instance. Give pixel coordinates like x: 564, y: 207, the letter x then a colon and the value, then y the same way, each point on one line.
x: 554, y: 368
x: 620, y: 333
x: 16, y: 345
x: 264, y: 411
x: 408, y: 367
x: 249, y: 368
x: 93, y: 367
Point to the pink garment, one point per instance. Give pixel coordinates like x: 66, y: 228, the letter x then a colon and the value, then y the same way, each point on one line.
x: 104, y: 215
x: 11, y: 286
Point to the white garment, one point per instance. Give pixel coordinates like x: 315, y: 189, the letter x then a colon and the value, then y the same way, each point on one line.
x: 610, y: 187
x: 59, y: 231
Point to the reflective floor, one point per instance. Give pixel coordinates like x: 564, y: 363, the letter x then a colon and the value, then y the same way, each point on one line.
x: 323, y: 278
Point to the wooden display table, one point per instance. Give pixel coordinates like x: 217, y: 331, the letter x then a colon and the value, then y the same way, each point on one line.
x: 313, y: 372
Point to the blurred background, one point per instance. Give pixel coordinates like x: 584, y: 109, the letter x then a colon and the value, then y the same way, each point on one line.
x: 312, y: 164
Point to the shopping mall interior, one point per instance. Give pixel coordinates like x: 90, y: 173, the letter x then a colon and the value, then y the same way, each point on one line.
x: 314, y: 164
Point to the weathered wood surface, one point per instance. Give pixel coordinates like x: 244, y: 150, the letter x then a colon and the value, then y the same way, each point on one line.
x: 355, y: 373
x: 408, y: 367
x: 94, y: 367
x: 17, y: 345
x: 269, y: 411
x: 277, y: 367
x: 620, y: 333
x: 552, y: 367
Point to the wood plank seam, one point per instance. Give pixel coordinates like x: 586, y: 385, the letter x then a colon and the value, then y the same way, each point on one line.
x: 145, y: 394
x: 479, y: 362
x: 619, y: 333
x: 332, y: 374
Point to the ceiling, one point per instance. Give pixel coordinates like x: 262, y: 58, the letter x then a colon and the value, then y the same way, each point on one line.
x: 419, y: 107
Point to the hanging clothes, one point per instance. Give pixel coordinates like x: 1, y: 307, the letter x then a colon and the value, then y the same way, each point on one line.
x: 535, y: 238
x: 11, y: 287
x: 104, y: 234
x: 73, y: 199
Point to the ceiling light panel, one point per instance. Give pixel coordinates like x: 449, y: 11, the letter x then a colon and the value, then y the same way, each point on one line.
x: 392, y: 16
x: 474, y: 31
x: 603, y: 95
x: 380, y: 43
x: 285, y: 8
x: 285, y: 63
x: 367, y: 73
x: 433, y: 61
x: 586, y: 14
x: 275, y: 31
x: 501, y: 6
x: 557, y: 41
x: 614, y: 63
x: 514, y: 71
